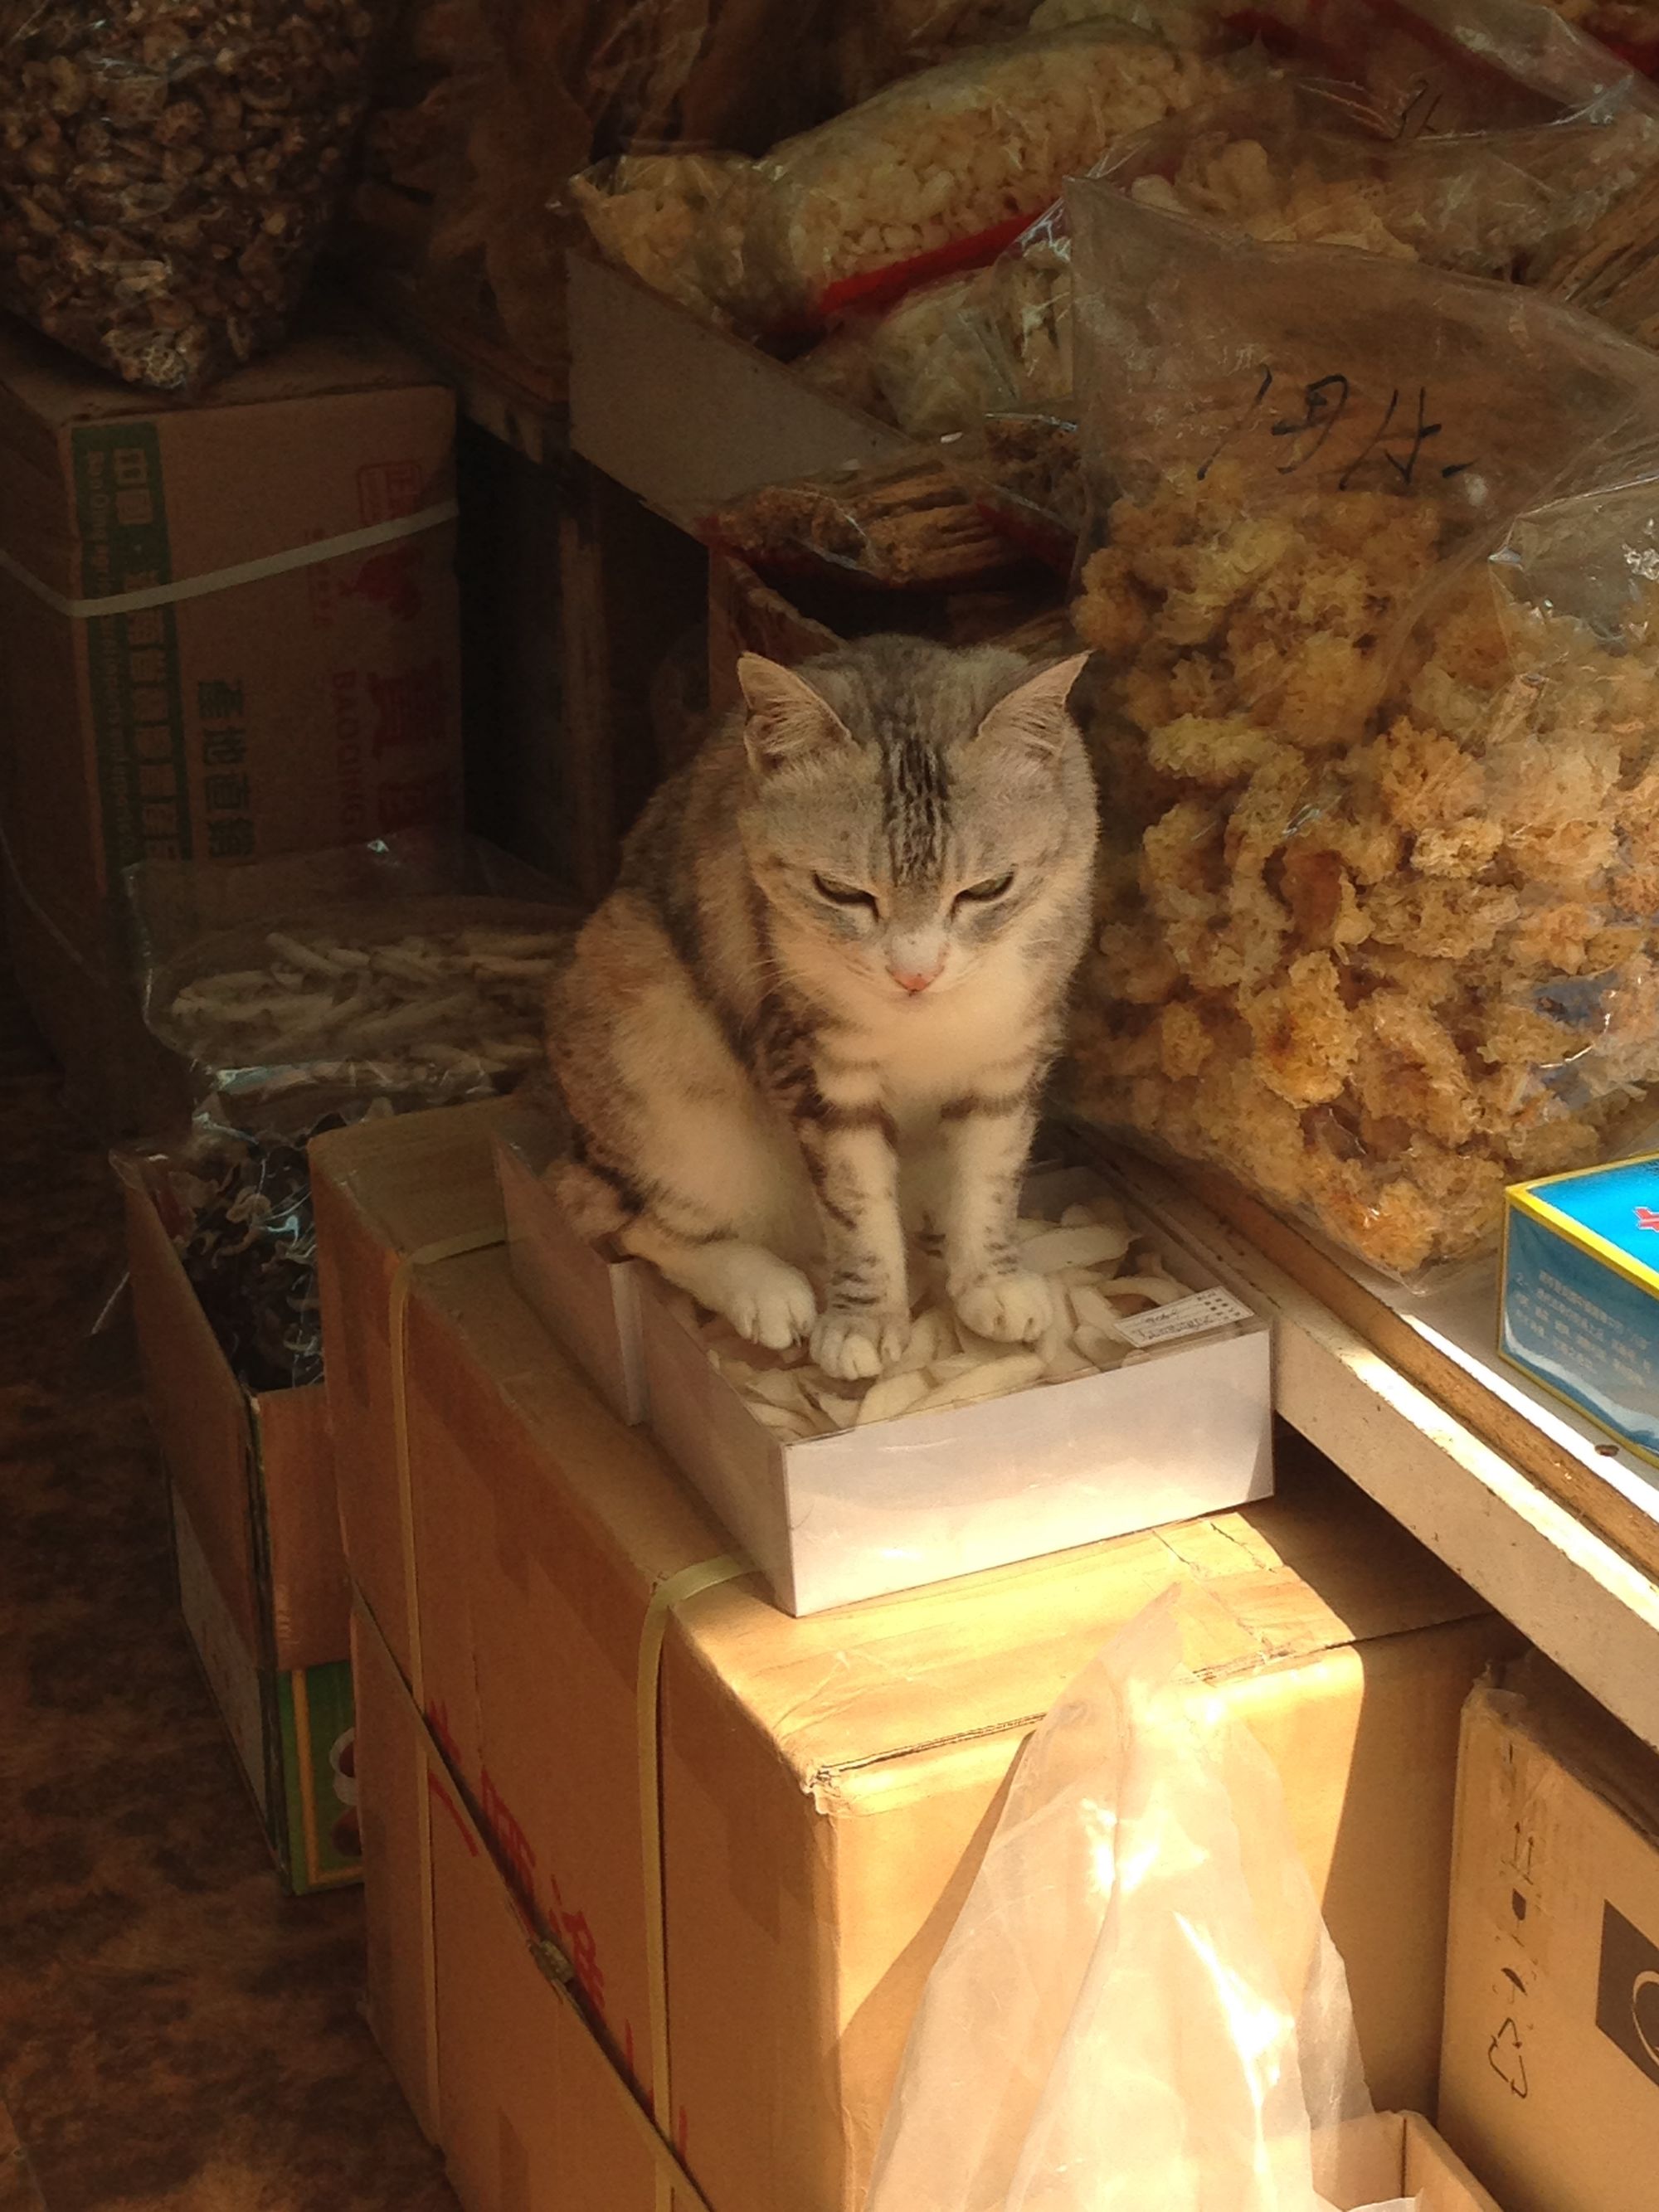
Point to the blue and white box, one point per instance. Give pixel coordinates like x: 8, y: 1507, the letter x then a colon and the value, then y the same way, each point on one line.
x: 1580, y: 1303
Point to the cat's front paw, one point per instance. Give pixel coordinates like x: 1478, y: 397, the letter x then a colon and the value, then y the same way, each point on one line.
x: 770, y: 1303
x: 1009, y: 1309
x: 853, y: 1345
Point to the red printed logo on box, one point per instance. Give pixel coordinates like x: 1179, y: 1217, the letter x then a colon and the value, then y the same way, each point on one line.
x: 386, y: 489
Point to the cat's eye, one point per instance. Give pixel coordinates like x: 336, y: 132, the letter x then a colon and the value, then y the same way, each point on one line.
x: 840, y: 894
x: 994, y: 887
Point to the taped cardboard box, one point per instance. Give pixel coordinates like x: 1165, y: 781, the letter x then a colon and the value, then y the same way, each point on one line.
x: 467, y: 2000
x: 261, y: 1573
x: 227, y: 631
x: 1549, y: 2081
x: 826, y: 1785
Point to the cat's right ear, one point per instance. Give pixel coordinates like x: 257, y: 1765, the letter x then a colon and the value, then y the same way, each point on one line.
x: 788, y: 721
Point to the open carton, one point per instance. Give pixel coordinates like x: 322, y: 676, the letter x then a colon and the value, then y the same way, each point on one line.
x: 799, y: 1806
x: 261, y: 1579
x: 1186, y: 1430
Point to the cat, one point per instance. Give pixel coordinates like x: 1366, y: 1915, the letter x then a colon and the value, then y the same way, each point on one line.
x: 820, y: 1003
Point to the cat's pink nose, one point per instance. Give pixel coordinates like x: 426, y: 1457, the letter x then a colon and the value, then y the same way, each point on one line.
x: 915, y: 979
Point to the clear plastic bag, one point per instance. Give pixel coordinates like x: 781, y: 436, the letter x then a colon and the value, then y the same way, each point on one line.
x: 1375, y: 722
x: 676, y: 220
x: 1139, y: 2005
x: 416, y: 965
x: 941, y: 170
x: 234, y: 1196
x: 876, y: 42
x: 169, y: 168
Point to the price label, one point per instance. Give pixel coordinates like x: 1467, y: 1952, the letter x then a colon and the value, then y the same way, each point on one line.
x: 1194, y: 1316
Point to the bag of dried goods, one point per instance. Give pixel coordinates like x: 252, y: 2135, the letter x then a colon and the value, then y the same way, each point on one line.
x: 1289, y: 160
x: 1376, y: 722
x: 941, y: 170
x: 674, y: 219
x: 168, y: 169
x: 905, y: 526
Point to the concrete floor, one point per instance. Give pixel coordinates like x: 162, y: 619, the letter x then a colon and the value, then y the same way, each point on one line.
x: 174, y: 2031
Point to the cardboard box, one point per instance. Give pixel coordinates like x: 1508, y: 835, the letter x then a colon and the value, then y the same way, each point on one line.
x: 512, y: 2078
x: 1580, y: 1293
x: 466, y: 1998
x: 261, y: 1574
x: 1549, y: 2080
x: 917, y: 1500
x: 825, y: 1786
x: 246, y: 695
x: 592, y: 1304
x: 737, y: 419
x: 1399, y: 2155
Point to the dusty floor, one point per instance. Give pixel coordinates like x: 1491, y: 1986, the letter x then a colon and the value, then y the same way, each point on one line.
x: 174, y: 2031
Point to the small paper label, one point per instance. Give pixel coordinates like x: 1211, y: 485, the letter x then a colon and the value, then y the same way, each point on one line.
x: 1192, y: 1316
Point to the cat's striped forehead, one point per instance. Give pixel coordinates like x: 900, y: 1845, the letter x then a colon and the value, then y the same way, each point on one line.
x: 916, y: 803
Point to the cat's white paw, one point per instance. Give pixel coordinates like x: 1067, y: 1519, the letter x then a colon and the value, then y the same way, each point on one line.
x: 1009, y: 1309
x: 769, y: 1301
x: 853, y: 1346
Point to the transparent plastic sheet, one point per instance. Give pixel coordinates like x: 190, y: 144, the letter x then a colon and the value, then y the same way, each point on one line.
x: 1139, y: 2005
x: 234, y: 1196
x: 909, y: 525
x: 169, y: 168
x: 416, y: 963
x: 672, y: 219
x: 1375, y: 720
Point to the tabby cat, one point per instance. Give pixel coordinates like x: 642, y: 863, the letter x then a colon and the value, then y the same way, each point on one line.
x: 821, y: 1001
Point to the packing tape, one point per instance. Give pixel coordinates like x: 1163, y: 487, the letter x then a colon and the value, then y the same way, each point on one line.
x: 672, y: 2178
x: 243, y: 572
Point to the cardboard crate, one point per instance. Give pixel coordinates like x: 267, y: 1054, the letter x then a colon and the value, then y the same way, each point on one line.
x: 468, y: 1999
x: 1549, y: 2081
x: 825, y: 1786
x: 182, y: 673
x: 261, y: 1574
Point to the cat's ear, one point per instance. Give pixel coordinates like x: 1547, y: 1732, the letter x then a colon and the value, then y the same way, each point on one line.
x: 788, y: 721
x: 1033, y: 715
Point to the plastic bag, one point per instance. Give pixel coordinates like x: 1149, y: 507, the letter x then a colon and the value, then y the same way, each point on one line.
x: 941, y: 170
x: 1377, y: 725
x: 1139, y: 2005
x: 1291, y: 162
x: 169, y: 168
x: 234, y: 1196
x: 414, y: 965
x: 674, y: 219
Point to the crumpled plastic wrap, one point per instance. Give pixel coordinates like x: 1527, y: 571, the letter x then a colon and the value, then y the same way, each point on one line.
x: 169, y: 168
x: 1376, y: 721
x: 876, y: 41
x: 1139, y: 2006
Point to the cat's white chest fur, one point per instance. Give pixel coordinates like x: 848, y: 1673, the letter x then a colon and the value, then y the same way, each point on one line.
x: 937, y: 1047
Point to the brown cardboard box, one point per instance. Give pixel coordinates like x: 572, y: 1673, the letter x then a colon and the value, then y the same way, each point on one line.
x: 261, y: 1574
x: 1549, y: 2081
x: 510, y: 2076
x: 531, y: 2114
x: 316, y: 705
x: 826, y: 1785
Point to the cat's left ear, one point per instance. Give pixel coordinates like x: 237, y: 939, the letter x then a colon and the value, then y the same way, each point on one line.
x: 1033, y: 715
x: 788, y: 721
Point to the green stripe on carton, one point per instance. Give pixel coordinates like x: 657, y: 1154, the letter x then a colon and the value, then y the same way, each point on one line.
x: 121, y: 510
x: 315, y: 1708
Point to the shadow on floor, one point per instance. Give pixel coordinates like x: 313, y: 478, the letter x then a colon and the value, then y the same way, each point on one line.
x: 174, y: 2031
